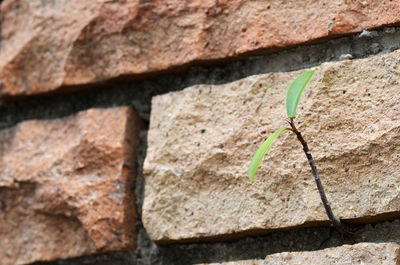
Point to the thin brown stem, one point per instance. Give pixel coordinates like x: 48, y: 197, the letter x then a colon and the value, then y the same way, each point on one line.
x: 335, y: 221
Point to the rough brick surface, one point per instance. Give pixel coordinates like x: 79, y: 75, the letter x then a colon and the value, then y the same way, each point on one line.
x: 49, y: 44
x: 65, y: 186
x: 363, y: 253
x: 201, y: 141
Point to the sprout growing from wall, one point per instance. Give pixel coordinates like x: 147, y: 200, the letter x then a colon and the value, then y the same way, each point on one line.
x: 293, y: 95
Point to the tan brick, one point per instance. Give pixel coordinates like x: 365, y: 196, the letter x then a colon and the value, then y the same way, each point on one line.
x: 201, y: 141
x: 79, y: 42
x: 363, y: 253
x: 65, y: 186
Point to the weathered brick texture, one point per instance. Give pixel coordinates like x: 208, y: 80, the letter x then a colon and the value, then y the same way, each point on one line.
x: 363, y: 253
x: 65, y: 186
x: 51, y: 44
x: 201, y: 141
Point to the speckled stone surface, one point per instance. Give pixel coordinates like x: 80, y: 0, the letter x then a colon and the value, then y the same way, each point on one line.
x: 201, y: 141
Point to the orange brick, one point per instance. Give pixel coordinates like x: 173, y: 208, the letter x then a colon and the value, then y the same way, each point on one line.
x: 65, y: 186
x: 79, y: 42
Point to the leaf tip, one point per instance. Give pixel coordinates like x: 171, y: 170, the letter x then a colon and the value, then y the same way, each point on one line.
x: 295, y: 90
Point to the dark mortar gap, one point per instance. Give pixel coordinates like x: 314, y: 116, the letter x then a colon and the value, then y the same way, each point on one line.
x: 138, y: 93
x: 305, y: 239
x: 357, y: 223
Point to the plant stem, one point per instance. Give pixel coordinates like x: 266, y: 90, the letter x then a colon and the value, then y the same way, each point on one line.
x: 335, y: 221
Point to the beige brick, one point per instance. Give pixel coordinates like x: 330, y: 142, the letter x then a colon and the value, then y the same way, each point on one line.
x: 78, y: 42
x: 363, y: 253
x: 201, y: 141
x: 65, y: 186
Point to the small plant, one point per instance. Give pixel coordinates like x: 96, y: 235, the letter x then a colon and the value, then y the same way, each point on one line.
x: 292, y: 100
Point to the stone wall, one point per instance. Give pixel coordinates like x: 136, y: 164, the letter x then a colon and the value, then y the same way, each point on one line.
x: 126, y: 130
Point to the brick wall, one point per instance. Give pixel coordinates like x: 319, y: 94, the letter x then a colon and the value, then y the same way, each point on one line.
x: 126, y: 130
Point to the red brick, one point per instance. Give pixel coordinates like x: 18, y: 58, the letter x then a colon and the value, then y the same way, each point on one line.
x: 65, y: 186
x: 79, y: 42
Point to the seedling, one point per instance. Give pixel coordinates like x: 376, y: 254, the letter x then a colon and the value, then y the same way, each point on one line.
x: 292, y: 100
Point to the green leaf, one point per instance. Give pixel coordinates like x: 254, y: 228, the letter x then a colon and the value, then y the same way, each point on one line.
x: 295, y: 90
x: 258, y: 156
